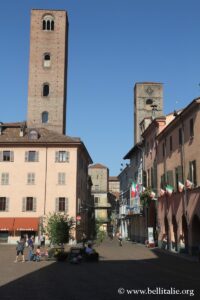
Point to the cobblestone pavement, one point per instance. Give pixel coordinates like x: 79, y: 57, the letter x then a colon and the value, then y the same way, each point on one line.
x: 130, y: 267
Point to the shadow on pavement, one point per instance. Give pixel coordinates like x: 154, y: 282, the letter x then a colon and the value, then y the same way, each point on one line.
x: 103, y: 280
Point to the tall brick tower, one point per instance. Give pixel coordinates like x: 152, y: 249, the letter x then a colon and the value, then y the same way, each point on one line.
x: 48, y: 70
x: 148, y: 102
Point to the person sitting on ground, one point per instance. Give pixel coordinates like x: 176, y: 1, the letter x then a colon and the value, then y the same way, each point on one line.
x: 91, y: 254
x: 88, y: 249
x: 20, y: 249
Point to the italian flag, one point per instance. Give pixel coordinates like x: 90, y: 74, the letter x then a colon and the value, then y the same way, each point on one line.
x: 133, y: 189
x: 180, y: 186
x: 169, y: 189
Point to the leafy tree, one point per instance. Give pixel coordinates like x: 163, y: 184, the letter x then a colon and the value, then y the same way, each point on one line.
x: 58, y: 227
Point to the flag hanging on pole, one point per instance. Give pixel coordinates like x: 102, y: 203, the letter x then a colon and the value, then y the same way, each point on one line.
x: 169, y: 189
x: 188, y: 184
x: 133, y: 189
x: 180, y: 186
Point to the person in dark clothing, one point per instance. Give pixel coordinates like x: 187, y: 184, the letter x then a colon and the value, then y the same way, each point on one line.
x: 20, y: 249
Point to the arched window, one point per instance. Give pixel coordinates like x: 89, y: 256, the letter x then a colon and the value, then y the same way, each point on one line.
x: 149, y: 101
x: 47, y: 60
x: 45, y: 91
x: 45, y: 117
x: 48, y: 23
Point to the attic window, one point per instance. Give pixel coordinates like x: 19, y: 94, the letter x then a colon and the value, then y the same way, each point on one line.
x: 33, y: 135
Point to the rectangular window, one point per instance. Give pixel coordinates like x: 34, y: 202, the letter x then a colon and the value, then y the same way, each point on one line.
x: 2, y: 203
x: 31, y: 156
x: 192, y: 166
x: 162, y: 181
x: 61, y: 178
x: 163, y: 149
x: 170, y: 143
x: 170, y: 178
x: 6, y: 155
x: 96, y: 200
x: 61, y: 204
x: 29, y: 204
x: 191, y: 127
x: 178, y: 176
x: 62, y: 156
x: 180, y: 136
x: 31, y: 178
x: 5, y: 178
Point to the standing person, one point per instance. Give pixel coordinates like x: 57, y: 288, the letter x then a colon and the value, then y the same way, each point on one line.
x: 42, y: 241
x: 31, y: 248
x: 119, y: 236
x: 20, y: 249
x: 38, y: 254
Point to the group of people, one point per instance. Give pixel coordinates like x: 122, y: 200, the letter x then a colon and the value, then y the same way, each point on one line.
x: 33, y: 255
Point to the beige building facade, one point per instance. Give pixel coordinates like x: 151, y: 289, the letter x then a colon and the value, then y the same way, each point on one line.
x: 38, y: 177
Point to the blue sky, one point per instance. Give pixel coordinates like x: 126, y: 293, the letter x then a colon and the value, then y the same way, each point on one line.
x: 112, y: 45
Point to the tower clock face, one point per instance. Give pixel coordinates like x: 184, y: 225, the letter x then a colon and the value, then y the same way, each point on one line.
x: 149, y: 90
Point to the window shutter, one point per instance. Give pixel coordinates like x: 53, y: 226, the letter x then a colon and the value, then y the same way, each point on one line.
x: 11, y: 155
x: 24, y: 204
x: 66, y: 204
x: 57, y: 204
x: 67, y: 156
x: 7, y: 204
x: 1, y: 155
x: 57, y: 156
x: 34, y: 204
x: 37, y: 156
x: 26, y: 156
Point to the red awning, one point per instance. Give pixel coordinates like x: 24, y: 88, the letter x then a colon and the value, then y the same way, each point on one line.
x: 6, y: 224
x: 27, y: 224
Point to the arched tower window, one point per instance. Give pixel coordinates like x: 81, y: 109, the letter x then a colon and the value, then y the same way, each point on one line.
x: 48, y: 23
x: 149, y: 101
x: 45, y: 91
x: 45, y: 117
x: 47, y: 60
